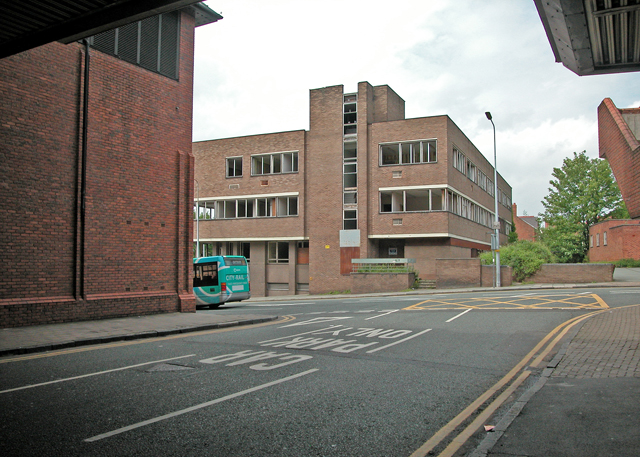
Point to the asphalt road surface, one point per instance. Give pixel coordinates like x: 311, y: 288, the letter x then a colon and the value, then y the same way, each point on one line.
x: 377, y: 376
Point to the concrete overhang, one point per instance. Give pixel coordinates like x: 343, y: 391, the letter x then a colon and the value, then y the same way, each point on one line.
x: 27, y: 24
x: 593, y: 37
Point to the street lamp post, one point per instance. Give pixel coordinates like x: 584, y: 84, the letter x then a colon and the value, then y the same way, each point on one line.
x: 197, y: 218
x: 496, y: 222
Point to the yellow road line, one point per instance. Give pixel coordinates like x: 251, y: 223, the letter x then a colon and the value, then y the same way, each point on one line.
x: 528, y: 302
x: 441, y: 434
x: 462, y: 438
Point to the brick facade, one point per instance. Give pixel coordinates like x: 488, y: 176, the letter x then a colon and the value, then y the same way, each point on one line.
x: 525, y: 226
x: 618, y: 133
x: 613, y: 240
x: 344, y: 136
x: 127, y: 250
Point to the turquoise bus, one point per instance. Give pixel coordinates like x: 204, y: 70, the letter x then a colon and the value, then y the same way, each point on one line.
x: 220, y: 279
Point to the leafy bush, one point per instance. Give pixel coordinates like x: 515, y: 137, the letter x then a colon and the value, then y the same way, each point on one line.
x: 525, y: 257
x: 627, y: 263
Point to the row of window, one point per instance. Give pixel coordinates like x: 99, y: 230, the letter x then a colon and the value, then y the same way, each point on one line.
x: 410, y: 152
x: 405, y: 153
x: 265, y: 164
x: 423, y: 200
x: 277, y: 251
x: 250, y: 207
x: 468, y: 168
x: 471, y: 171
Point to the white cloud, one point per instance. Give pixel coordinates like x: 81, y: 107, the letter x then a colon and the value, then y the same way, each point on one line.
x: 255, y: 67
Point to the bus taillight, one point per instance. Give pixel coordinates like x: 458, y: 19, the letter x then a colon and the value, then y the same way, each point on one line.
x: 223, y: 287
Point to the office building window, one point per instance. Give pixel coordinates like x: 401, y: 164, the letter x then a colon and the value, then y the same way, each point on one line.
x: 277, y: 163
x: 234, y: 167
x: 278, y: 252
x: 407, y: 153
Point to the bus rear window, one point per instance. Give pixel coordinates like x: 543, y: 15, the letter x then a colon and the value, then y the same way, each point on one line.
x: 234, y: 261
x: 205, y: 274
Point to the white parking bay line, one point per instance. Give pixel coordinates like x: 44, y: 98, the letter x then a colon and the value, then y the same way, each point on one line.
x: 385, y: 314
x: 457, y: 316
x: 93, y: 374
x: 197, y: 407
x: 398, y: 342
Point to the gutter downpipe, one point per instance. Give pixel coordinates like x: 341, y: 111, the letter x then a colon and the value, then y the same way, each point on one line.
x: 83, y: 172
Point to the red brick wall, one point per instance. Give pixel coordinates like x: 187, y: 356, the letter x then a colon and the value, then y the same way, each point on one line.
x: 380, y: 282
x: 621, y: 149
x: 524, y: 230
x: 137, y: 237
x: 324, y: 189
x: 581, y: 273
x: 458, y: 273
x: 623, y: 240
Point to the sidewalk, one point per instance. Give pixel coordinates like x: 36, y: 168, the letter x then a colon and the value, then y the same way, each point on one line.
x: 588, y: 405
x: 39, y: 338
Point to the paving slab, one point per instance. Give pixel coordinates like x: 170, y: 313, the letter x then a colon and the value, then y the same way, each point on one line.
x: 589, y: 406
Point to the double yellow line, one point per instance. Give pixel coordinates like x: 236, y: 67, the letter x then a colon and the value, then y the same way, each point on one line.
x: 539, y: 352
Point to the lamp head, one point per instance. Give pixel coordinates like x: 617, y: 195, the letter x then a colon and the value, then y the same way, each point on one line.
x: 488, y: 114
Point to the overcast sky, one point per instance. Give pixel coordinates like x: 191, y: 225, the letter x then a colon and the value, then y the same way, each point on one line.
x: 255, y: 67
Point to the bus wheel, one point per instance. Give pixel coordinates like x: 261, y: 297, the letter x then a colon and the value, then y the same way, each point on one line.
x: 214, y: 306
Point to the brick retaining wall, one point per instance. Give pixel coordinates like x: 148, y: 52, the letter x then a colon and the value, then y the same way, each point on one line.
x: 558, y: 273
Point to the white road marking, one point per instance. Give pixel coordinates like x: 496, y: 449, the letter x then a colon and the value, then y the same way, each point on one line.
x: 398, y: 342
x: 282, y: 304
x: 380, y: 315
x: 332, y: 328
x: 93, y: 374
x: 197, y: 407
x: 455, y: 317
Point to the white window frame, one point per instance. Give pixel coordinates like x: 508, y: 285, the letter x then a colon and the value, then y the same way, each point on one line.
x: 235, y: 166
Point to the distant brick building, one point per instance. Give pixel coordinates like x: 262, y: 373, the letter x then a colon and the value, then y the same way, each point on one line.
x: 362, y: 182
x: 96, y: 191
x: 618, y: 136
x: 614, y: 239
x: 525, y: 226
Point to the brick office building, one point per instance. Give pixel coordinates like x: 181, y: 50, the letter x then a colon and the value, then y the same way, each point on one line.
x: 362, y: 182
x: 96, y: 177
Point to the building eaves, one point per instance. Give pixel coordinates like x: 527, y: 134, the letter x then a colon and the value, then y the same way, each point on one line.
x: 589, y: 37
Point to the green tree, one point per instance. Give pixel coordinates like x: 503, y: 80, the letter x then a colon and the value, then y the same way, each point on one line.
x: 584, y: 192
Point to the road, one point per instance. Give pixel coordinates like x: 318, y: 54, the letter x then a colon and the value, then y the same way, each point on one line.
x: 375, y: 376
